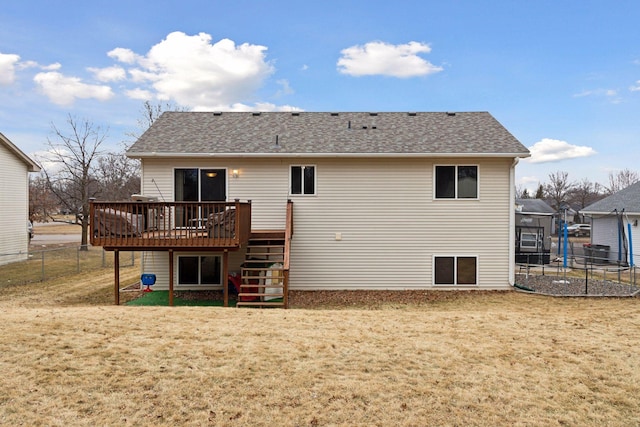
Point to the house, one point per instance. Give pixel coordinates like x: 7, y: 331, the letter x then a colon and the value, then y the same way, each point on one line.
x: 14, y: 201
x: 534, y: 224
x: 614, y: 224
x: 382, y: 201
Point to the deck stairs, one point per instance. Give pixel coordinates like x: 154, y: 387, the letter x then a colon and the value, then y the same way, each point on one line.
x: 262, y: 274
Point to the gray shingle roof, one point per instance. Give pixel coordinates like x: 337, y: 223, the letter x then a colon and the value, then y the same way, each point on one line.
x: 311, y: 133
x: 534, y: 206
x: 627, y: 199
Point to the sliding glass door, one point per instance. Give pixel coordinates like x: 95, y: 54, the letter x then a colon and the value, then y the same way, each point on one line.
x: 198, y: 185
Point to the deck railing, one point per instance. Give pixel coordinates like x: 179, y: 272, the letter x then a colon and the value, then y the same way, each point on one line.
x: 166, y: 225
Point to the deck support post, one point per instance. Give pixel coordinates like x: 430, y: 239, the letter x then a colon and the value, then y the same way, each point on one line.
x: 225, y: 277
x: 116, y: 276
x: 170, y: 278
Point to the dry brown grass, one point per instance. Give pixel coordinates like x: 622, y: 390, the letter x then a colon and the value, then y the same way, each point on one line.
x: 69, y: 357
x: 56, y: 228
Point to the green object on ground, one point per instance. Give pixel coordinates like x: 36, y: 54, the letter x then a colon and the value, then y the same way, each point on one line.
x: 162, y: 298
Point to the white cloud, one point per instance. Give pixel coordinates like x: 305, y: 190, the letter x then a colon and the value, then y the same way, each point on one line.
x: 124, y: 55
x: 553, y: 150
x: 141, y: 94
x: 240, y: 107
x: 51, y: 67
x: 610, y: 95
x: 380, y: 58
x: 636, y: 87
x: 63, y: 90
x: 285, y: 88
x: 109, y: 74
x: 197, y: 73
x: 8, y: 64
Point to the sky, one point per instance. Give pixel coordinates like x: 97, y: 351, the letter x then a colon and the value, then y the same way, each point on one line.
x: 562, y: 76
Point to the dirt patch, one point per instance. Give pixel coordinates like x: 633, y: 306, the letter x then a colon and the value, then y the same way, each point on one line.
x: 353, y: 299
x: 377, y: 299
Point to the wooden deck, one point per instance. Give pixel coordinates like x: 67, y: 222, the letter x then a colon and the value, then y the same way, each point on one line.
x: 161, y: 226
x: 183, y: 226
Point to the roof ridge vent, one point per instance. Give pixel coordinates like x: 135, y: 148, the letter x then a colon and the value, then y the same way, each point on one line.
x: 256, y: 113
x: 373, y: 114
x: 217, y: 113
x: 295, y: 113
x: 411, y: 113
x: 335, y: 114
x: 451, y: 113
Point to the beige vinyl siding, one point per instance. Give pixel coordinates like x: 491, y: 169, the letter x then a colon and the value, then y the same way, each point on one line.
x: 383, y: 209
x: 158, y: 263
x: 264, y: 182
x: 14, y: 207
x: 391, y: 227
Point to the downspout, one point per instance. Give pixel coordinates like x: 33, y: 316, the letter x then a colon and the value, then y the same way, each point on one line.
x: 512, y: 222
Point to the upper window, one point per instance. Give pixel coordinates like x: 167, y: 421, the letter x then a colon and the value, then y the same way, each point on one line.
x: 455, y: 270
x: 456, y: 182
x: 303, y: 180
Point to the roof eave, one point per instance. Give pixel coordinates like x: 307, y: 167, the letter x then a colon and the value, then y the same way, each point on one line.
x: 138, y: 155
x: 611, y: 212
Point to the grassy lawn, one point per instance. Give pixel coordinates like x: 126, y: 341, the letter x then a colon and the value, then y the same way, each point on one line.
x: 70, y: 357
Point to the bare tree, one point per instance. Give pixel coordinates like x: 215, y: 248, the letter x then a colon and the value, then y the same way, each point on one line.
x: 621, y: 179
x: 558, y: 189
x: 42, y: 202
x: 68, y: 168
x: 149, y: 113
x: 118, y: 176
x: 585, y: 193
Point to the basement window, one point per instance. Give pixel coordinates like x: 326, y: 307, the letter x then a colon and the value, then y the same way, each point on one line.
x: 455, y: 270
x: 199, y: 270
x: 303, y: 180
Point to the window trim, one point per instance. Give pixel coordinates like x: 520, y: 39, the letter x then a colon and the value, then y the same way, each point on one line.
x: 456, y: 166
x: 315, y: 180
x: 455, y: 270
x: 199, y: 284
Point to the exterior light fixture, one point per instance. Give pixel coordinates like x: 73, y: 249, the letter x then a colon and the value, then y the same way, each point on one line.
x: 234, y: 173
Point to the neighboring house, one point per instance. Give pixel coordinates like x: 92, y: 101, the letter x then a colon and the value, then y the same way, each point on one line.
x: 534, y: 223
x: 611, y: 220
x: 14, y: 201
x: 377, y: 200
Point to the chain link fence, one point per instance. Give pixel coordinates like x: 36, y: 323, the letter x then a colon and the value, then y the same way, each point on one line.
x: 586, y: 270
x: 51, y: 263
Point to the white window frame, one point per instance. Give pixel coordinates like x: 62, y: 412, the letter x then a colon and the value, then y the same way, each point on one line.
x: 531, y: 238
x: 315, y: 180
x: 199, y: 284
x: 455, y: 270
x: 456, y: 166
